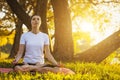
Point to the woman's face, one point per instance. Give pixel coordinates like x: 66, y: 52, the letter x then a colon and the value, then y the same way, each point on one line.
x: 36, y: 21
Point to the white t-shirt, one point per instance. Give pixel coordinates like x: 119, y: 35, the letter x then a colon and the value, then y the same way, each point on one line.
x: 34, y: 44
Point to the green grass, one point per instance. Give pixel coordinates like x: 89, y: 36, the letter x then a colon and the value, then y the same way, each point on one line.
x: 84, y: 71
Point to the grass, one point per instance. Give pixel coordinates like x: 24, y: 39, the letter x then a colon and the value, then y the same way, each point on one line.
x: 84, y: 71
x: 3, y: 55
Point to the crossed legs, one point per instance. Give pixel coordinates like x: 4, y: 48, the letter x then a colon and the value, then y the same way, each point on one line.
x: 42, y: 69
x: 26, y: 68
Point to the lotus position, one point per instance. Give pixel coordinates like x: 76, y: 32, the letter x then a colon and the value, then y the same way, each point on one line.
x: 34, y: 43
x: 47, y: 68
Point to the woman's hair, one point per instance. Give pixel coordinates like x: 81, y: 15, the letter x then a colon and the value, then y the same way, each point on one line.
x: 34, y: 15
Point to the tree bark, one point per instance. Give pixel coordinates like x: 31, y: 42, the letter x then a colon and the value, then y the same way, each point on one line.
x: 102, y: 50
x: 18, y: 33
x: 63, y: 47
x: 18, y: 10
x: 22, y: 17
x: 41, y: 9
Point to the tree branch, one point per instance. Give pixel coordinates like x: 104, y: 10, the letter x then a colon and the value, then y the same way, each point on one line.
x: 18, y: 10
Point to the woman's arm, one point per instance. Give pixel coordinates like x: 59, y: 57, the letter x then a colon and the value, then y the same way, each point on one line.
x: 19, y: 53
x: 49, y: 55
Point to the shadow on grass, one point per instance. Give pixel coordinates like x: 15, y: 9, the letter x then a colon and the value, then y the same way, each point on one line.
x: 6, y: 65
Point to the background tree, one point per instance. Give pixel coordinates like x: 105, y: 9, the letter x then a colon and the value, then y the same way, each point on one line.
x: 7, y: 29
x: 41, y: 9
x: 18, y: 25
x: 19, y: 11
x: 18, y: 33
x: 102, y: 50
x: 105, y: 25
x: 63, y: 47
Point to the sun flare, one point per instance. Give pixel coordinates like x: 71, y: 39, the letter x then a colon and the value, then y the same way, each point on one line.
x: 2, y: 15
x: 96, y: 35
x: 86, y: 26
x: 82, y: 25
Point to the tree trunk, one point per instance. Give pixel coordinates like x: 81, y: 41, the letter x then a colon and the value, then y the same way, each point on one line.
x: 15, y: 46
x: 102, y: 50
x: 18, y: 10
x: 41, y: 9
x: 63, y: 47
x: 23, y: 17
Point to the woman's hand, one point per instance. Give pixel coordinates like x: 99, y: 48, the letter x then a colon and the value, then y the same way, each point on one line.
x: 19, y: 54
x: 14, y: 62
x: 60, y: 64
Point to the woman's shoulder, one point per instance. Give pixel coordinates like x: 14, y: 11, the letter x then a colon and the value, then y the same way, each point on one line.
x: 45, y: 34
x: 25, y: 33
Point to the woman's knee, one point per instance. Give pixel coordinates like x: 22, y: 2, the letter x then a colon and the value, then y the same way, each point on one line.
x: 17, y: 68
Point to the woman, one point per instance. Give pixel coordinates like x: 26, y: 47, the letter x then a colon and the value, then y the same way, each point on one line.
x: 34, y: 43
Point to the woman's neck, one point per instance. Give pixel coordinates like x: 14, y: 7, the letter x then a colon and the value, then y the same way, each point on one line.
x: 35, y: 31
